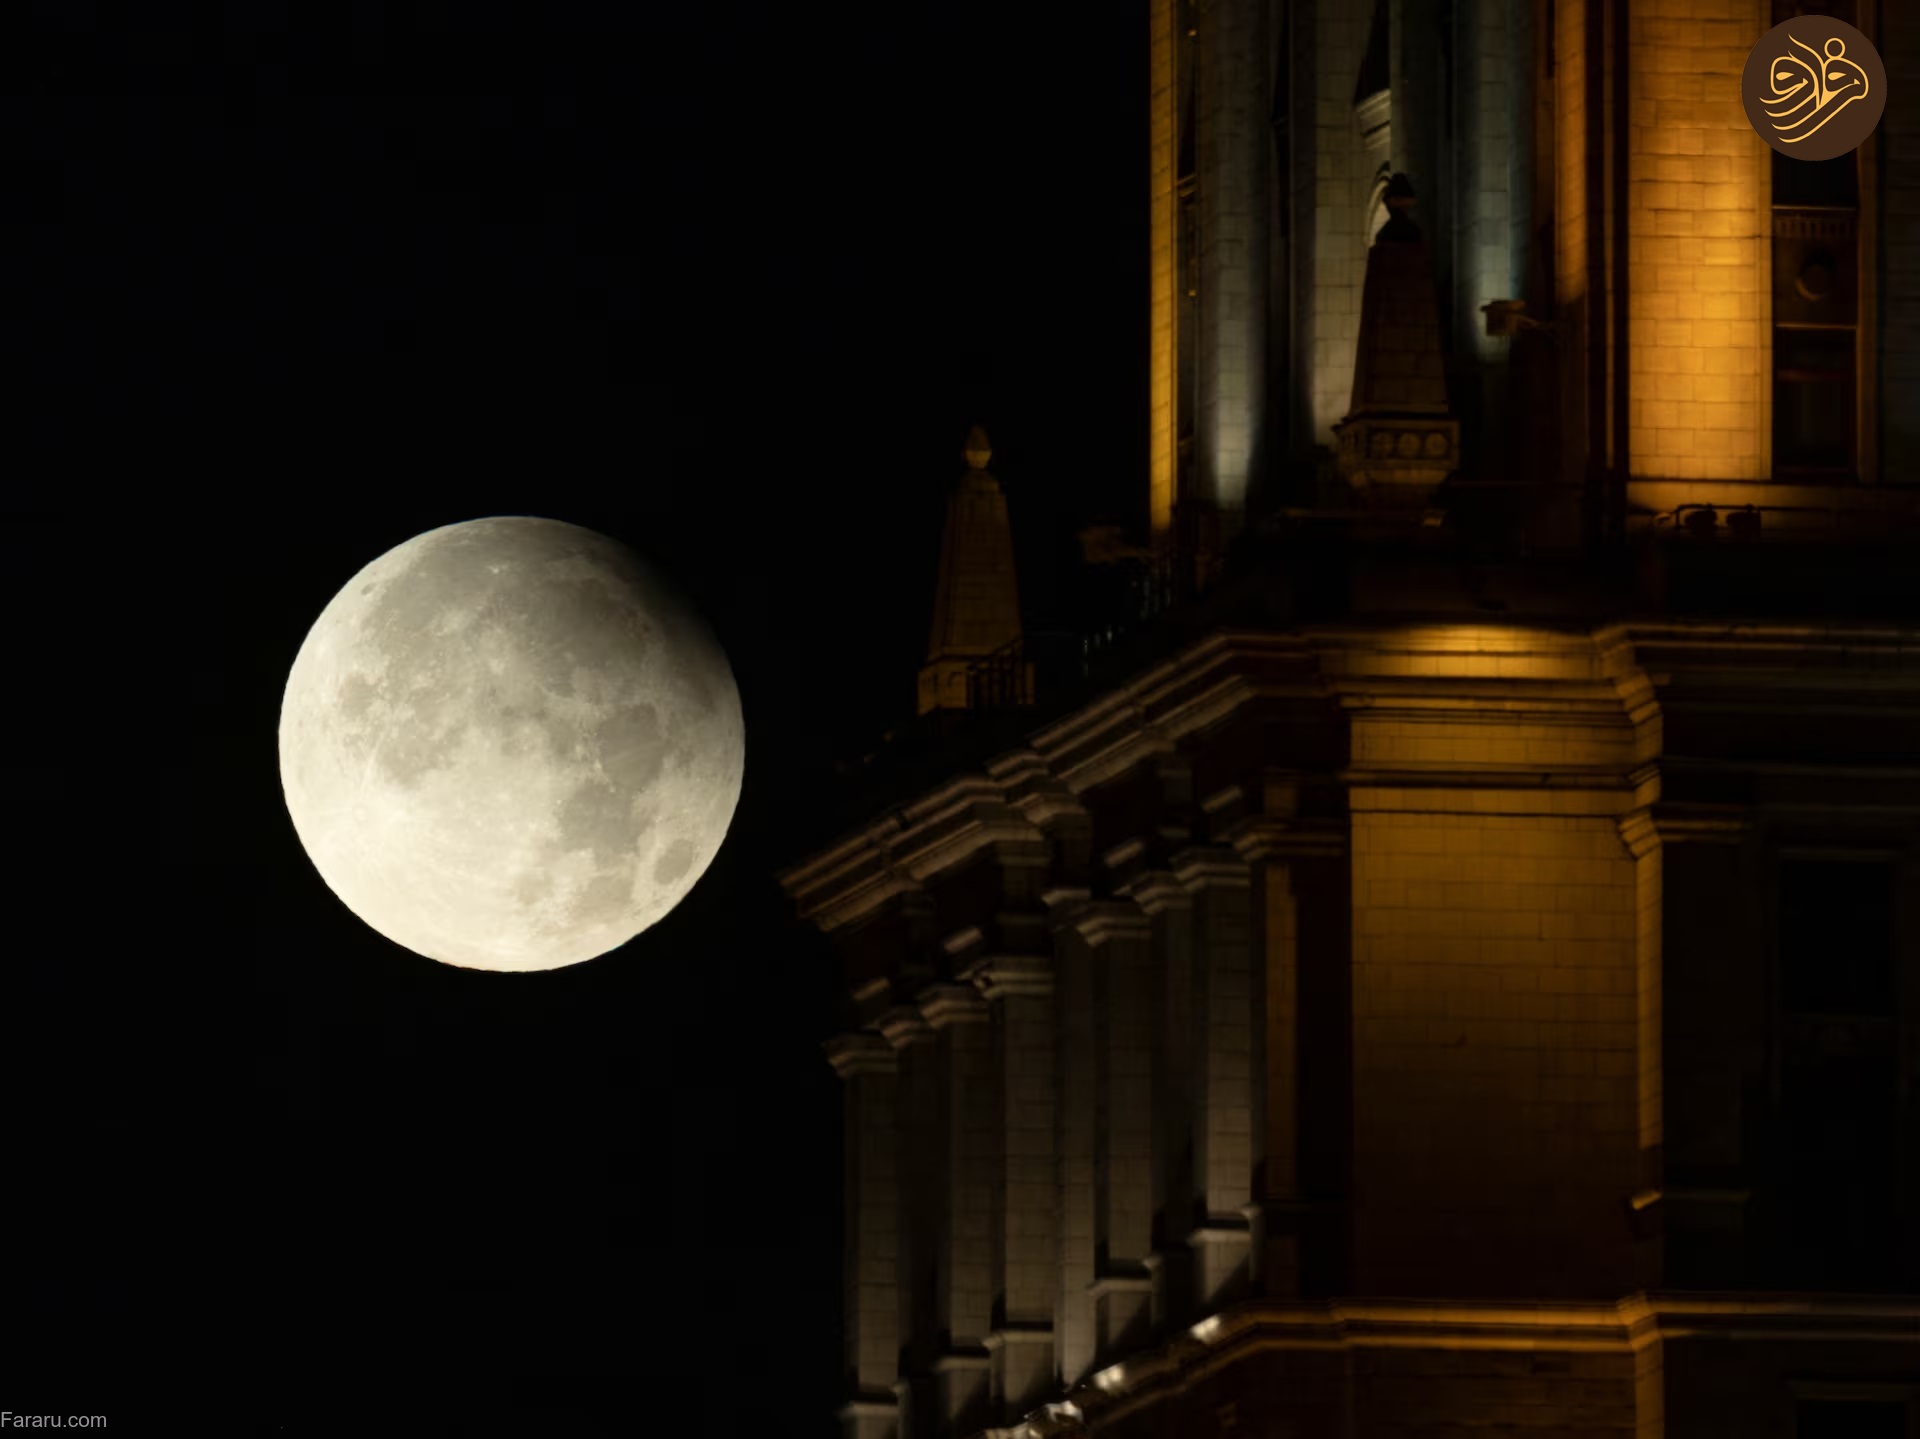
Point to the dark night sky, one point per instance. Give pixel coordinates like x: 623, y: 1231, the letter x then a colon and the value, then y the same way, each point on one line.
x: 726, y: 281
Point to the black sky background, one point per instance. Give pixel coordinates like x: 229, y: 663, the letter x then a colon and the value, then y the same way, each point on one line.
x: 726, y: 281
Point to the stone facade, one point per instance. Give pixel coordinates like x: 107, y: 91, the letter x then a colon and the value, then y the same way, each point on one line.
x: 1431, y: 998
x: 1463, y: 975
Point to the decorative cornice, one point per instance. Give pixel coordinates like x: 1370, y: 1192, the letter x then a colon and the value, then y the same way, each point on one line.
x: 861, y: 1052
x: 964, y: 1360
x: 1157, y: 891
x: 1626, y: 1326
x: 1003, y: 976
x: 1588, y: 792
x: 1883, y: 642
x: 1019, y: 796
x: 1222, y: 800
x: 945, y: 1004
x: 1259, y: 839
x: 904, y: 1026
x: 1694, y: 1194
x: 1222, y: 1229
x: 1698, y: 824
x: 1211, y: 867
x: 1101, y: 921
x: 1064, y: 903
x: 1489, y: 673
x: 962, y: 940
x: 1039, y: 1331
x: 871, y: 1408
x: 1639, y: 833
x: 1121, y: 1284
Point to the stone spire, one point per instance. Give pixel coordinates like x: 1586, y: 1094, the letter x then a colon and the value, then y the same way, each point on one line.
x: 976, y: 603
x: 1399, y: 440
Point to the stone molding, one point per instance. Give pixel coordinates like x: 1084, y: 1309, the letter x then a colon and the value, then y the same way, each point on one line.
x: 1628, y: 1325
x: 942, y: 1005
x: 1158, y: 891
x: 861, y: 1052
x: 1211, y: 867
x: 1618, y: 677
x: 1004, y: 976
x: 904, y: 1026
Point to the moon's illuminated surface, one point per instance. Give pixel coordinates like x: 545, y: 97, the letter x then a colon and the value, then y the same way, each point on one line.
x: 508, y: 744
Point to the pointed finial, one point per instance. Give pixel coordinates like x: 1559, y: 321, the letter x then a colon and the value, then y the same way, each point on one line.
x: 979, y: 449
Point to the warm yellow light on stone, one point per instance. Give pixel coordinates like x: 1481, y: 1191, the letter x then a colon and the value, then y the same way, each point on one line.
x: 1699, y: 236
x: 1163, y: 219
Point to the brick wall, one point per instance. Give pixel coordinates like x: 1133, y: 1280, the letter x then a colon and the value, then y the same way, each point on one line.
x: 1413, y: 1393
x: 1699, y: 228
x: 1495, y: 1052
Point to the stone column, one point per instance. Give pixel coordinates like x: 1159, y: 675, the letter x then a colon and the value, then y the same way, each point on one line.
x: 1169, y: 911
x: 1295, y: 872
x: 1124, y: 1005
x: 1075, y: 1138
x: 963, y: 1275
x: 1715, y: 1027
x: 920, y: 1144
x: 869, y: 1066
x: 1233, y: 177
x: 1019, y: 989
x: 1222, y: 1072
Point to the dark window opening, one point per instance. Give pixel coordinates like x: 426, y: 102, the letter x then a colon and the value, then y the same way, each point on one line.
x: 1842, y: 1177
x: 1836, y: 937
x: 1816, y: 182
x: 1850, y: 1419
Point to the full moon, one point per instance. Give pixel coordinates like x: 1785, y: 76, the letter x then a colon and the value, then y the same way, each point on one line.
x: 509, y: 744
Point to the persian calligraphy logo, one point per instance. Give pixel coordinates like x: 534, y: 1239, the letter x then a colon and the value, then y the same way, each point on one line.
x: 1814, y: 88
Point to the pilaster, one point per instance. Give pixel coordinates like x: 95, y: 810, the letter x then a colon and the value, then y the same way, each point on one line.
x: 1075, y: 1138
x: 964, y: 1277
x: 1218, y: 880
x: 1020, y: 991
x: 920, y: 1135
x: 1119, y: 936
x: 1168, y: 908
x: 868, y: 1064
x: 1712, y: 1036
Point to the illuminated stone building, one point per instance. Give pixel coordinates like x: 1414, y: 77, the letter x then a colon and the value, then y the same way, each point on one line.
x: 1441, y: 954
